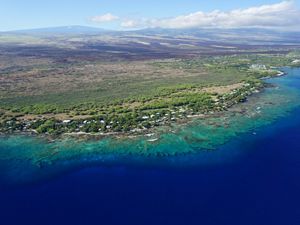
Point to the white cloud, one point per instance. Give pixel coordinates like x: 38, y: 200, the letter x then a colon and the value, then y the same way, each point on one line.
x: 108, y: 17
x: 130, y: 24
x: 283, y: 15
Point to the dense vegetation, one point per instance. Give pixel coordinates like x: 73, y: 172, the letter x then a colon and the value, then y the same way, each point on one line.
x: 138, y: 103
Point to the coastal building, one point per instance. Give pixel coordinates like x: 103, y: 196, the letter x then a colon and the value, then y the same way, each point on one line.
x: 258, y: 67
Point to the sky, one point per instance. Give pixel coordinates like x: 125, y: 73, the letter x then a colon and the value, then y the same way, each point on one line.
x: 138, y: 14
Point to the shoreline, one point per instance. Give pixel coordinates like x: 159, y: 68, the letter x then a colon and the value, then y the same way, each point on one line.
x: 137, y: 132
x: 154, y: 131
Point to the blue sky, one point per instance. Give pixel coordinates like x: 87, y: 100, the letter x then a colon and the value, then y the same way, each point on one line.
x: 134, y: 14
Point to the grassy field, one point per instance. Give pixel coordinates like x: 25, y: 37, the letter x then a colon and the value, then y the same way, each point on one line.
x: 66, y: 85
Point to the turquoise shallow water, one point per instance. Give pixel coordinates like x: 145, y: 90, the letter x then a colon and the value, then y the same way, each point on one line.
x: 26, y: 159
x: 241, y: 168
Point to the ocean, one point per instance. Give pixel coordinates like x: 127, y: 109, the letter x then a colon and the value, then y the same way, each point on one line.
x: 247, y: 173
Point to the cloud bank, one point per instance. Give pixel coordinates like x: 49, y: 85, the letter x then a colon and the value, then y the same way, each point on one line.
x: 284, y: 15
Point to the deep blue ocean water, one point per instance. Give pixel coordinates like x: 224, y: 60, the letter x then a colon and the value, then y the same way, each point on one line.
x: 257, y: 184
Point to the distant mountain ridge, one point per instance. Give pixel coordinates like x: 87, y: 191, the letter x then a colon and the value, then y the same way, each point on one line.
x: 87, y: 29
x: 254, y: 35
